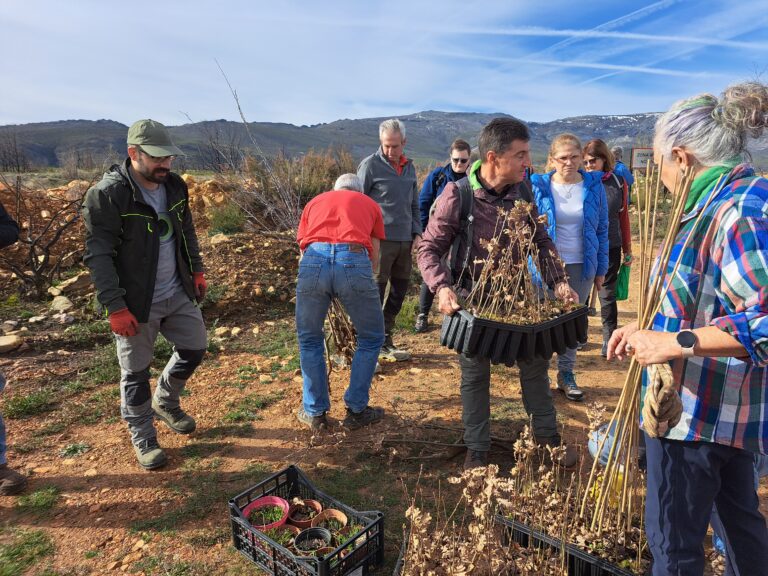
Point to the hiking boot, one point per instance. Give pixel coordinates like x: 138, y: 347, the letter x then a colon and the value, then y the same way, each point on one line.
x: 149, y: 454
x: 11, y: 482
x: 591, y: 311
x: 475, y: 459
x: 315, y: 423
x: 177, y: 420
x: 566, y: 383
x: 580, y: 345
x: 392, y: 353
x: 369, y: 415
x: 422, y: 323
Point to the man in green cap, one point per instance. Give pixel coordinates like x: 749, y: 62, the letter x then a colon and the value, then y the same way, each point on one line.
x: 145, y: 262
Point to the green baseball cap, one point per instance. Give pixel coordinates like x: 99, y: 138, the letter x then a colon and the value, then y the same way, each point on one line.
x: 153, y: 138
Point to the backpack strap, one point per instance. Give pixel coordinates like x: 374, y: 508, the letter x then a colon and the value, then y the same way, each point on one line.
x: 464, y: 237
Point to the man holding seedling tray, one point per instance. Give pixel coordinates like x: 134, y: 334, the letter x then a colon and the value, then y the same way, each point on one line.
x: 496, y: 181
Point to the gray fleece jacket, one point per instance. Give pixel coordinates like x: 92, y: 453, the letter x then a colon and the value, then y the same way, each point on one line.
x: 397, y: 195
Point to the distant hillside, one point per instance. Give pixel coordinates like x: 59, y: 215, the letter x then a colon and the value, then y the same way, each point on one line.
x: 91, y: 143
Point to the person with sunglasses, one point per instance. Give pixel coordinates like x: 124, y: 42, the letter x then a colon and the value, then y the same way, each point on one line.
x: 455, y: 170
x: 574, y: 203
x: 145, y: 263
x: 598, y: 158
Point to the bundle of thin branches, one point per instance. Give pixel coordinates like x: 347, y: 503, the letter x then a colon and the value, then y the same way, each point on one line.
x: 505, y: 289
x: 342, y: 332
x: 617, y: 490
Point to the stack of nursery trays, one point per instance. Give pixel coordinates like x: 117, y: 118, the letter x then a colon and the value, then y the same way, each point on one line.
x: 579, y: 562
x: 355, y: 557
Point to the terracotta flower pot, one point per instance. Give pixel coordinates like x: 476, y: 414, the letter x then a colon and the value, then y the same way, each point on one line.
x: 267, y: 501
x: 507, y: 343
x: 289, y: 528
x: 314, y: 504
x: 330, y: 514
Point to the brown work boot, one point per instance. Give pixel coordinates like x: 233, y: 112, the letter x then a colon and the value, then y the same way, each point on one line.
x: 475, y: 459
x: 11, y: 482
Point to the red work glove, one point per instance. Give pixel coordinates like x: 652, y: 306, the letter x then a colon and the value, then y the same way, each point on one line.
x: 201, y: 286
x: 123, y: 322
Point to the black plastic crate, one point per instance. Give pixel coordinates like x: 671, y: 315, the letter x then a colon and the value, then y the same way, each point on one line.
x: 356, y: 557
x: 579, y: 562
x: 507, y: 343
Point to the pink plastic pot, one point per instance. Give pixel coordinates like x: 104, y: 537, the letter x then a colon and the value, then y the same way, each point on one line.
x: 267, y: 501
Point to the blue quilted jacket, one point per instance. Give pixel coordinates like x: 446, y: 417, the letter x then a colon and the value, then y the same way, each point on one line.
x: 595, y: 218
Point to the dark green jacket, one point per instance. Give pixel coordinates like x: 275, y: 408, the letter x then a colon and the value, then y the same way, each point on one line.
x: 122, y: 241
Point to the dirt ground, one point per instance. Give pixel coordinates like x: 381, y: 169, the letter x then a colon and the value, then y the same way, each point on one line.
x: 111, y: 517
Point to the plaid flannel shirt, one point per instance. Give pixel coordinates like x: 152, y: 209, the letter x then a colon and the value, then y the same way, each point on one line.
x: 722, y: 281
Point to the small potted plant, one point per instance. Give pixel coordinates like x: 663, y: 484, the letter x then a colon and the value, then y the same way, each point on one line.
x: 267, y: 512
x: 283, y: 535
x: 309, y: 541
x: 330, y: 519
x: 302, y: 512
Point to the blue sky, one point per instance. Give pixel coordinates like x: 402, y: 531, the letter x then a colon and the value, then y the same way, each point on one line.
x: 306, y: 62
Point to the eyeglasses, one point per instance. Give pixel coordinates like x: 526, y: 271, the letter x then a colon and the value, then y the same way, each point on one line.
x: 565, y: 159
x: 156, y: 159
x: 459, y: 160
x: 589, y: 161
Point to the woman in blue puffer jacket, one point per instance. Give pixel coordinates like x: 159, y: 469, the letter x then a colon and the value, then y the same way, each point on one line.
x: 575, y: 204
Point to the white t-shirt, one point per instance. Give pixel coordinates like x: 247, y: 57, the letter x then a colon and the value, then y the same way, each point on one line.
x: 569, y: 221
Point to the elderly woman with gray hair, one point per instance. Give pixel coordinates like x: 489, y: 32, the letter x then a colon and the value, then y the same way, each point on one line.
x: 705, y: 422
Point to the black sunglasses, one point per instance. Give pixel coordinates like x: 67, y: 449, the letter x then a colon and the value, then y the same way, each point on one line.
x: 459, y: 160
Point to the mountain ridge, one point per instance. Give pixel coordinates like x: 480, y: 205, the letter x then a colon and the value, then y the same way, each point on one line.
x: 429, y: 134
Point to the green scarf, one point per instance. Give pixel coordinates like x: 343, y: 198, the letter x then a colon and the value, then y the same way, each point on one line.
x: 704, y: 182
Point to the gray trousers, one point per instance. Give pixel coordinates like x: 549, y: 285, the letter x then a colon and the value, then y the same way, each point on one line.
x: 566, y: 362
x: 476, y: 401
x: 181, y: 322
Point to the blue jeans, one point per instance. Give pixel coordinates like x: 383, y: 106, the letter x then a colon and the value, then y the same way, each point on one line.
x: 684, y: 480
x: 343, y: 271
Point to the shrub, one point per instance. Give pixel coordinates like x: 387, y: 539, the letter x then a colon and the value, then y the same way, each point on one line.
x: 226, y: 219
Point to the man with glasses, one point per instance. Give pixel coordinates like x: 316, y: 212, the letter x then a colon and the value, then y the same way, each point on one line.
x: 389, y: 178
x: 455, y: 170
x: 144, y: 258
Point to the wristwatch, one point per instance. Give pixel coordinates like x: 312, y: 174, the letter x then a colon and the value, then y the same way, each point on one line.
x: 687, y: 340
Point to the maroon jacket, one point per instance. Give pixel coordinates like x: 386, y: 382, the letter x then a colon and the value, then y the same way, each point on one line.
x: 444, y: 225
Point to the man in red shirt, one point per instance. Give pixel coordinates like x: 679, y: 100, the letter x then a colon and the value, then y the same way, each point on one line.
x: 339, y: 236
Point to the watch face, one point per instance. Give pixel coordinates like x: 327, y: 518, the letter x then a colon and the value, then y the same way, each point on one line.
x: 686, y: 339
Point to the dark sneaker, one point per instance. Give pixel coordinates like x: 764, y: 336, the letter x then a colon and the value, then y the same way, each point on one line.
x: 149, y: 454
x: 566, y: 383
x: 177, y: 420
x: 422, y: 323
x: 475, y: 459
x: 315, y: 423
x: 580, y: 345
x: 11, y: 482
x: 591, y: 311
x: 368, y: 416
x: 390, y: 352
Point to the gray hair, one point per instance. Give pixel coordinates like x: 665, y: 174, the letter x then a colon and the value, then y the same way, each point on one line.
x: 392, y: 125
x: 348, y: 182
x: 714, y: 130
x: 618, y: 152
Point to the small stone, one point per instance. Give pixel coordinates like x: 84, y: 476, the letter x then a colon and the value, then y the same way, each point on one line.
x: 219, y: 239
x: 236, y: 330
x: 271, y: 290
x: 113, y: 565
x: 62, y: 304
x: 77, y: 284
x: 94, y: 508
x: 298, y: 379
x: 415, y: 370
x: 10, y: 325
x: 255, y: 331
x: 91, y: 473
x: 221, y: 331
x: 41, y: 470
x: 265, y: 378
x: 69, y: 462
x: 10, y: 343
x: 53, y: 291
x: 35, y: 319
x: 139, y: 545
x: 105, y: 490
